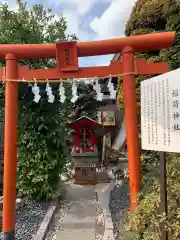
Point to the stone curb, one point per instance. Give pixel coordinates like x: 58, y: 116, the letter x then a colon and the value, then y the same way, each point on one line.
x: 103, y: 191
x: 45, y: 224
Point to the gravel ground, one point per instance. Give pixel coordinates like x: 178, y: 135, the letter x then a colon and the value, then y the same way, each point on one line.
x: 28, y: 219
x: 119, y: 204
x: 99, y: 222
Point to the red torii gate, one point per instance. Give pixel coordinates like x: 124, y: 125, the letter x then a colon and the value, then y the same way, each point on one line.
x: 67, y: 54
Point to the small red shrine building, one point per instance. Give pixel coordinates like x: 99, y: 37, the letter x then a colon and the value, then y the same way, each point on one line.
x: 85, y: 155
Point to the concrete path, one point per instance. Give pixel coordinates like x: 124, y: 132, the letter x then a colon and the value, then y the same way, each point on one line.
x: 80, y: 220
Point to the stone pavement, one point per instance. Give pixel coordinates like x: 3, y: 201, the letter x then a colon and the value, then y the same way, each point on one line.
x: 80, y: 220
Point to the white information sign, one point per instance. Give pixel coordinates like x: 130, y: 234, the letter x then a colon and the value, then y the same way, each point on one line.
x: 160, y: 112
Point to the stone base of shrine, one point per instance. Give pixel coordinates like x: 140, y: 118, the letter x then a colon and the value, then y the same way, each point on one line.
x: 101, y: 177
x: 81, y: 182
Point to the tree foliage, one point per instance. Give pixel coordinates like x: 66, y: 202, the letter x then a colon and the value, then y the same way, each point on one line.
x: 154, y: 16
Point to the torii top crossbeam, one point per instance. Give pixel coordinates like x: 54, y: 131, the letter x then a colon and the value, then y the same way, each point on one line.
x: 146, y: 42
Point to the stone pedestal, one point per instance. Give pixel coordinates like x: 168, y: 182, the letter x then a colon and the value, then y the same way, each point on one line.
x: 85, y: 167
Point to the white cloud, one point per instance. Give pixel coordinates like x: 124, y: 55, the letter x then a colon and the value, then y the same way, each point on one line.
x: 112, y: 22
x: 74, y: 21
x: 12, y: 4
x: 103, y: 60
x: 82, y: 7
x: 75, y: 9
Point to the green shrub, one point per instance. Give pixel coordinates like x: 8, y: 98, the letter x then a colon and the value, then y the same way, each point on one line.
x: 145, y: 220
x: 44, y: 147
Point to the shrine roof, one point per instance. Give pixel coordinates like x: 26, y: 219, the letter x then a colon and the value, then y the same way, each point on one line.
x: 84, y: 122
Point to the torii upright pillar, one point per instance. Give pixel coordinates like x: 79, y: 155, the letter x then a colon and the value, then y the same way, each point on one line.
x: 10, y: 147
x: 130, y: 107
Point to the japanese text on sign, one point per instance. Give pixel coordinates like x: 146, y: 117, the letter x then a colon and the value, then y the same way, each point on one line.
x: 160, y: 112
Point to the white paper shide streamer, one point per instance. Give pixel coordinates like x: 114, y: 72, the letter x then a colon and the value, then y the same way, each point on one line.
x: 111, y: 89
x: 51, y: 97
x: 97, y: 88
x: 36, y: 92
x: 87, y: 81
x: 62, y: 93
x: 74, y: 93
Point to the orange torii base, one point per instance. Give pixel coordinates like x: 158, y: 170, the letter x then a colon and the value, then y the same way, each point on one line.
x: 67, y: 54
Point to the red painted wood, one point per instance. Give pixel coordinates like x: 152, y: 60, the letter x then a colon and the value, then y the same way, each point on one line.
x: 115, y: 68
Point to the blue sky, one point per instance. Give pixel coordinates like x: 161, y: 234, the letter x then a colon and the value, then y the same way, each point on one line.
x: 90, y: 20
